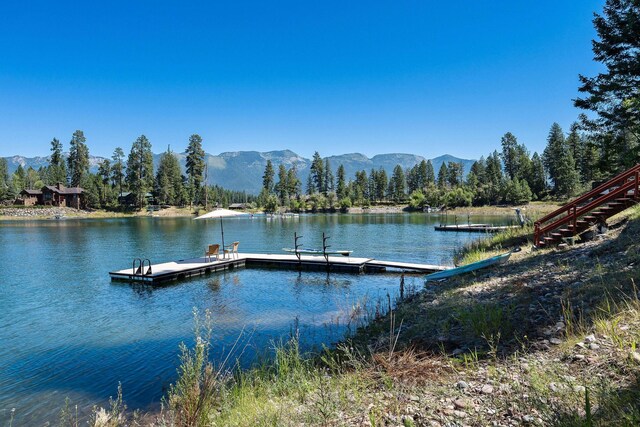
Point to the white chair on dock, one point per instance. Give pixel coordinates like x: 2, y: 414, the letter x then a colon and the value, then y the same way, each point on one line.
x: 232, y: 249
x: 213, y: 250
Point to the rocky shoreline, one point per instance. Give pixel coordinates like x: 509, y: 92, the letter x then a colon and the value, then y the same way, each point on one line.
x: 521, y: 344
x: 40, y: 213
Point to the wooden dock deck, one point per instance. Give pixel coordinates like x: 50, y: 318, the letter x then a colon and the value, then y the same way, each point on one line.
x: 474, y: 228
x: 176, y: 270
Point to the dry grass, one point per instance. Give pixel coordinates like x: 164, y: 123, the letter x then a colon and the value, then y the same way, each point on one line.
x: 410, y: 366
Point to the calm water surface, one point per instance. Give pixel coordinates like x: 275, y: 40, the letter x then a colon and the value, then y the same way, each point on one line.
x: 66, y: 330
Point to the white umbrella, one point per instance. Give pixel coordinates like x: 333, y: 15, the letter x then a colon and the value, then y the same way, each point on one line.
x: 221, y: 213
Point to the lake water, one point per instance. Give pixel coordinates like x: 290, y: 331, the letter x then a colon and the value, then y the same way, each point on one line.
x: 66, y: 330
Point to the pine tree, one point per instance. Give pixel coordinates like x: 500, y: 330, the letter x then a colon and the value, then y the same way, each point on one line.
x: 574, y: 143
x: 373, y: 176
x: 523, y: 163
x: 168, y: 182
x: 282, y: 187
x: 293, y: 182
x: 311, y: 188
x: 588, y: 164
x: 443, y: 175
x: 478, y: 168
x: 341, y: 188
x: 399, y: 184
x: 509, y: 154
x: 91, y: 195
x: 18, y: 179
x: 538, y: 181
x: 195, y: 167
x: 615, y: 94
x: 361, y: 188
x: 117, y: 169
x: 78, y: 160
x: 455, y: 172
x: 268, y: 178
x: 473, y: 183
x: 382, y: 183
x: 104, y: 173
x: 553, y: 152
x: 423, y: 174
x: 430, y: 173
x: 57, y: 170
x: 56, y: 153
x: 140, y: 170
x: 560, y: 164
x: 317, y: 173
x: 328, y: 177
x: 494, y: 178
x: 515, y: 158
x: 413, y: 180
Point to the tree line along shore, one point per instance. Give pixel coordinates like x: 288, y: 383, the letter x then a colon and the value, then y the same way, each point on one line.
x: 569, y: 165
x: 598, y: 145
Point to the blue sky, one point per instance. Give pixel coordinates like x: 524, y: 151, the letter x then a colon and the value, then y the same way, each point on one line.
x: 420, y: 77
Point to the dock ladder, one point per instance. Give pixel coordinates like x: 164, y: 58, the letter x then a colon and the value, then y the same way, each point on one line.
x: 138, y: 266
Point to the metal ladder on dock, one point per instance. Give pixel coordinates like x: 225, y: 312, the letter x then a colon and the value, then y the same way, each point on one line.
x: 138, y: 266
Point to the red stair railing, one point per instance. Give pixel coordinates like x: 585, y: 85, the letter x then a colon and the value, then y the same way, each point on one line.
x: 617, y: 187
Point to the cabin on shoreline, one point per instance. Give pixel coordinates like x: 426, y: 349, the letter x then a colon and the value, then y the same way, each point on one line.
x: 239, y: 206
x: 53, y: 195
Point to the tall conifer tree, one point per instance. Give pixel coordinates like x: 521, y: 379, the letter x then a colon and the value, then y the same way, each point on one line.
x: 328, y: 177
x: 317, y: 173
x: 268, y: 178
x: 195, y: 167
x: 117, y: 169
x: 341, y: 187
x: 443, y: 175
x: 78, y: 160
x: 560, y: 163
x: 140, y: 170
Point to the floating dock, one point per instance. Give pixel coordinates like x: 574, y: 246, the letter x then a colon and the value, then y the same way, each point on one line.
x: 182, y: 269
x: 475, y: 228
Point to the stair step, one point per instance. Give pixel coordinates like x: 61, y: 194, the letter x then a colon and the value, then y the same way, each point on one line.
x: 626, y: 194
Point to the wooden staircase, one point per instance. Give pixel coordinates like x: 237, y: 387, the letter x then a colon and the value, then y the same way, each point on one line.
x: 594, y: 207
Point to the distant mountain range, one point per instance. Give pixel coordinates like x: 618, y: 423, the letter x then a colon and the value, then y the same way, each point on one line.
x: 242, y: 170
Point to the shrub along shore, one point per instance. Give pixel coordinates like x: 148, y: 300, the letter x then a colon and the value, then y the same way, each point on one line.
x: 548, y: 339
